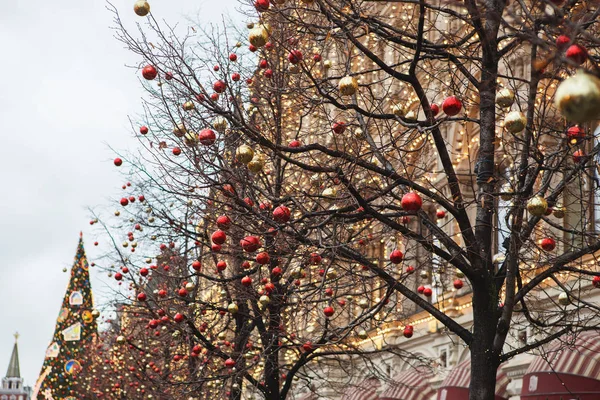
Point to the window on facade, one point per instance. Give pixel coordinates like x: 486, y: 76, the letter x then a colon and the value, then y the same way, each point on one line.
x: 443, y: 356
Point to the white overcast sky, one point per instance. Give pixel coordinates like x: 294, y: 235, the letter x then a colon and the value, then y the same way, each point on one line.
x: 64, y: 93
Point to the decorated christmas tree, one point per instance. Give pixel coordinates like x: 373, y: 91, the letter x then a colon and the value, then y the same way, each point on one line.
x: 63, y: 374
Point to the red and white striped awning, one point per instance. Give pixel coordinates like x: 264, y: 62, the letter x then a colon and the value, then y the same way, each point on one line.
x: 569, y: 368
x: 366, y: 390
x: 456, y: 384
x: 412, y: 384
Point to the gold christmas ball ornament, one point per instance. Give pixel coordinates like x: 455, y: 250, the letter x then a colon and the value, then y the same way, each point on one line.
x: 95, y: 313
x: 515, y: 122
x: 327, y: 64
x: 559, y: 211
x: 362, y: 334
x: 179, y: 130
x: 398, y: 110
x: 233, y: 308
x: 459, y: 274
x: 257, y: 164
x: 189, y: 106
x: 64, y: 270
x: 258, y: 36
x: 578, y: 97
x: 120, y: 339
x: 505, y: 97
x: 250, y: 25
x: 563, y: 299
x: 331, y: 273
x: 363, y: 303
x: 537, y: 206
x: 264, y: 300
x: 244, y: 154
x: 190, y: 139
x: 423, y: 274
x: 141, y: 8
x: 348, y: 86
x: 220, y: 124
x: 189, y: 287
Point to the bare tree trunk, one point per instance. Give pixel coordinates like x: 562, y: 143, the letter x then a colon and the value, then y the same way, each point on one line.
x: 484, y: 362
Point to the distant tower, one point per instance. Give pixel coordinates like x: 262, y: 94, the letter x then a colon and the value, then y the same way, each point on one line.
x: 12, y: 383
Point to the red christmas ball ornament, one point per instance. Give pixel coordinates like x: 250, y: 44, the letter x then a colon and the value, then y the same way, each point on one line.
x: 562, y: 41
x: 149, y: 72
x: 262, y: 5
x: 124, y: 201
x: 218, y: 237
x: 282, y: 214
x: 408, y: 332
x: 162, y: 293
x: 221, y: 265
x: 295, y: 143
x: 144, y: 271
x: 178, y: 318
x: 252, y: 48
x: 263, y: 64
x: 214, y: 96
x: 307, y: 346
x: 317, y: 58
x: 215, y: 248
x: 578, y: 156
x: 548, y: 244
x: 577, y: 54
x: 435, y: 109
x: 396, y: 256
x: 410, y: 269
x: 219, y: 86
x: 235, y: 77
x: 233, y: 57
x: 268, y: 73
x: 142, y: 296
x: 596, y: 282
x: 246, y: 281
x: 250, y: 244
x: 440, y: 214
x: 427, y: 292
x: 224, y: 222
x: 277, y: 272
x: 197, y: 265
x: 182, y: 292
x: 328, y: 311
x: 246, y: 265
x: 269, y: 287
x: 458, y: 284
x: 144, y: 130
x: 575, y: 133
x: 451, y: 106
x: 118, y: 162
x: 295, y: 56
x: 338, y: 127
x: 176, y: 151
x: 411, y: 202
x: 207, y: 137
x: 315, y: 259
x: 421, y: 289
x: 118, y: 276
x: 216, y: 68
x: 230, y: 363
x: 263, y: 258
x: 249, y: 201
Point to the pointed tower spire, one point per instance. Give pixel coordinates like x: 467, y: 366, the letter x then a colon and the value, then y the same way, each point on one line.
x: 14, y: 371
x: 64, y: 372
